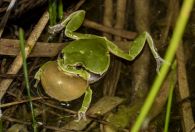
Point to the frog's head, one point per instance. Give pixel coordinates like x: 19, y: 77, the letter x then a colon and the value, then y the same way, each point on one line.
x: 78, y: 69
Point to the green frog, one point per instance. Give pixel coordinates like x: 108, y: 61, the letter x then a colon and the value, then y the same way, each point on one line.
x: 84, y: 61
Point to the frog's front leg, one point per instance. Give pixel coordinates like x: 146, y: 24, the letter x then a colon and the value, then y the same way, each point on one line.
x: 85, y: 104
x: 38, y: 76
x: 39, y: 73
x: 135, y: 49
x: 72, y: 22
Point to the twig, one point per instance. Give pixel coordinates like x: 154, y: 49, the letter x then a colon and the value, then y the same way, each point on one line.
x: 120, y: 17
x: 16, y: 120
x: 42, y: 49
x: 21, y: 101
x: 112, y: 77
x: 140, y: 69
x: 17, y: 63
x: 29, y: 123
x: 170, y: 12
x: 6, y: 16
x: 108, y: 16
x: 187, y: 120
x: 13, y: 76
x: 108, y: 21
x: 111, y: 30
x: 183, y: 89
x: 59, y: 108
x: 120, y: 22
x: 79, y: 4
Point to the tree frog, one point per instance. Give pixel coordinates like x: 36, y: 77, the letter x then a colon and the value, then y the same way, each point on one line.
x: 84, y: 61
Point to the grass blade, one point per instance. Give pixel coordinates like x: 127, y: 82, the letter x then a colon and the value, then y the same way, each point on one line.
x: 169, y: 103
x: 21, y: 37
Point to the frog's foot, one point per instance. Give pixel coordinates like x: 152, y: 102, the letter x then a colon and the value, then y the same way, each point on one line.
x: 159, y: 62
x: 81, y: 116
x: 36, y: 83
x: 56, y: 28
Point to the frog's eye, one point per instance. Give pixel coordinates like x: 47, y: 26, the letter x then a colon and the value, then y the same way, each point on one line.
x: 78, y: 67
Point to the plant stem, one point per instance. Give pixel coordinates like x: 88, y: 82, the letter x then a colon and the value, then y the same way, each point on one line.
x: 21, y: 37
x: 52, y: 12
x: 60, y: 10
x: 171, y: 88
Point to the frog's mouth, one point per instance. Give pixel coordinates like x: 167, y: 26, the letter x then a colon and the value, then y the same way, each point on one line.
x: 94, y: 77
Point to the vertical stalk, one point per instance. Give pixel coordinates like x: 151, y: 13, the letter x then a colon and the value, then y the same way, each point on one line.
x: 21, y: 37
x: 169, y: 103
x: 60, y: 10
x: 52, y: 12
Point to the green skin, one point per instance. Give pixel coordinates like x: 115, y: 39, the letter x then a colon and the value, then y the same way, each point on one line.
x: 91, y: 52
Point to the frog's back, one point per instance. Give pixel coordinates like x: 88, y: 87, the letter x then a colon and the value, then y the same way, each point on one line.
x: 92, y: 54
